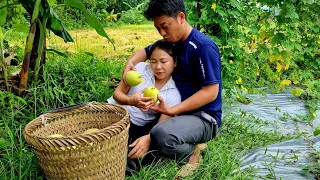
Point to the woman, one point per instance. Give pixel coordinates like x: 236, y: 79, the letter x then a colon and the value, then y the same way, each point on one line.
x: 198, y: 78
x: 157, y: 73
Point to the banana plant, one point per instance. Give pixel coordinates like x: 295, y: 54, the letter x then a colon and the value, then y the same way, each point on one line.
x: 3, y: 16
x: 43, y: 18
x: 5, y: 61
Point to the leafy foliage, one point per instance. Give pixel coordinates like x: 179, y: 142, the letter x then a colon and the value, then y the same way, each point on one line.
x: 74, y: 18
x: 134, y: 15
x: 272, y: 43
x: 16, y: 14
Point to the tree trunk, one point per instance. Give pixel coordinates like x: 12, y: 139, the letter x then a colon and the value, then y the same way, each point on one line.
x: 41, y: 45
x: 4, y: 64
x: 27, y: 57
x: 34, y: 52
x: 29, y: 45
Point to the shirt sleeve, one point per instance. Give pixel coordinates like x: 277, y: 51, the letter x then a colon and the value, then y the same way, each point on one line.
x: 140, y: 67
x: 208, y: 65
x: 147, y: 49
x: 173, y: 97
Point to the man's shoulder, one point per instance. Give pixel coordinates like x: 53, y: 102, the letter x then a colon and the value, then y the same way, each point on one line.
x: 200, y: 40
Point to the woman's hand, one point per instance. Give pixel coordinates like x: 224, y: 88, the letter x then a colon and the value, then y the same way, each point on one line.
x: 141, y: 147
x: 139, y: 101
x: 163, y: 108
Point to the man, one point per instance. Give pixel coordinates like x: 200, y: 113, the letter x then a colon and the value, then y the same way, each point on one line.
x: 198, y: 78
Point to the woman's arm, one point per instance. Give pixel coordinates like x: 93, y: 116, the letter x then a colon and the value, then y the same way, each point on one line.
x: 120, y: 94
x: 141, y: 145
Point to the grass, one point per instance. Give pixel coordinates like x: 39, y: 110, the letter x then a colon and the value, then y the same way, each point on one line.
x: 82, y: 78
x: 127, y: 39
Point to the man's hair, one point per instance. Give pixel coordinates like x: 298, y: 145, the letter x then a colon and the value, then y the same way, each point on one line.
x: 169, y: 8
x: 166, y: 46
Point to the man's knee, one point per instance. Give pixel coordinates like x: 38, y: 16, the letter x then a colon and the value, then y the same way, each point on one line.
x: 163, y: 141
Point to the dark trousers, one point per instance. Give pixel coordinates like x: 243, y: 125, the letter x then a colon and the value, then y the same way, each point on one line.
x: 136, y: 132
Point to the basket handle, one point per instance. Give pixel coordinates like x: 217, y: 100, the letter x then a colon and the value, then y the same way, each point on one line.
x: 61, y: 109
x: 44, y: 120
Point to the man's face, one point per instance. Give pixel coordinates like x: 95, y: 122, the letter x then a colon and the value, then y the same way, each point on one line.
x: 170, y: 28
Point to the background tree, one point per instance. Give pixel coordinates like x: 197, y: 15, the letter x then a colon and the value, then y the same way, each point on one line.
x: 273, y: 43
x: 43, y: 17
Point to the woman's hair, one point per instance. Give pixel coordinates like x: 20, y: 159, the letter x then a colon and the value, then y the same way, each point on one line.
x: 169, y: 8
x: 165, y: 46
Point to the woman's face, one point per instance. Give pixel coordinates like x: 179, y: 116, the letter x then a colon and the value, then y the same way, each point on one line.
x: 162, y: 64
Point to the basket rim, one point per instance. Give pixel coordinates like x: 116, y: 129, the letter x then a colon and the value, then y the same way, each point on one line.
x: 78, y: 139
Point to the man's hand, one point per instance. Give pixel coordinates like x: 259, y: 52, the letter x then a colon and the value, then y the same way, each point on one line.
x: 141, y: 147
x: 163, y: 108
x: 139, y: 101
x: 128, y: 67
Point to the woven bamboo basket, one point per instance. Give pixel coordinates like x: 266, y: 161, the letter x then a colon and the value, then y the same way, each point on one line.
x: 98, y: 155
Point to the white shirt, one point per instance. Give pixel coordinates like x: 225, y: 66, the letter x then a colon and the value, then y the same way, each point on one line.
x: 168, y: 92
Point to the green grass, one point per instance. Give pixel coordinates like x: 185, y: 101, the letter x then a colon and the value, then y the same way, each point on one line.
x: 83, y: 78
x: 127, y: 39
x: 79, y: 78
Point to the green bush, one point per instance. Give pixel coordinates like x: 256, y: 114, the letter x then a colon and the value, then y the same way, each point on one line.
x: 134, y: 15
x: 16, y: 14
x: 75, y: 19
x: 272, y: 44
